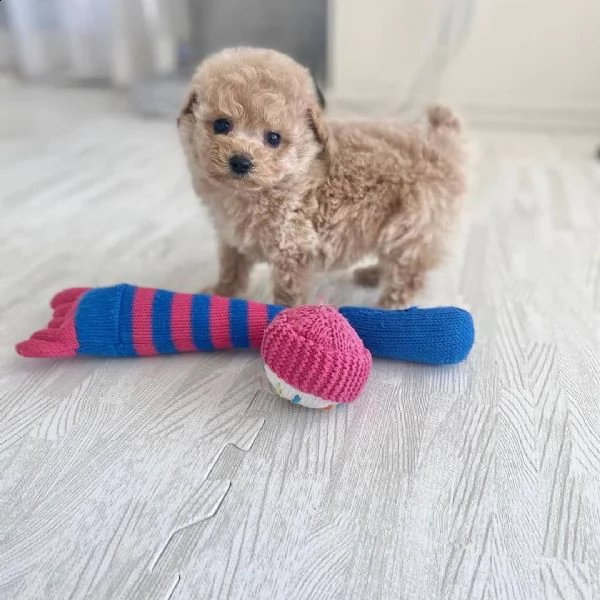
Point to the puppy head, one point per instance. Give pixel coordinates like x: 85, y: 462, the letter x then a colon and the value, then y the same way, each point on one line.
x: 252, y: 120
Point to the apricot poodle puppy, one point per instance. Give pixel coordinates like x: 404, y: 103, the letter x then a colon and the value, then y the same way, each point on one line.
x: 285, y: 185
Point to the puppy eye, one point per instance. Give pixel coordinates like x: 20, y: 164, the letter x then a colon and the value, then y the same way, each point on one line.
x: 222, y: 126
x: 272, y: 138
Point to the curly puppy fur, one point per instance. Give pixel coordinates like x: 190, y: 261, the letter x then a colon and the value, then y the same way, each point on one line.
x: 330, y: 194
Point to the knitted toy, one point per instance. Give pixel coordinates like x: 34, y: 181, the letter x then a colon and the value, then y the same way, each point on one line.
x: 124, y: 320
x: 314, y: 358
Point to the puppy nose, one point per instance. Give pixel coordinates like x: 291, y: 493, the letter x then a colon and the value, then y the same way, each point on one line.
x: 239, y: 164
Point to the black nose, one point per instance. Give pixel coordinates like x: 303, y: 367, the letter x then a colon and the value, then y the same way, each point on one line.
x: 240, y: 164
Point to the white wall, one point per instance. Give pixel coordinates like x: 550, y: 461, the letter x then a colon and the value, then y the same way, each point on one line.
x: 377, y: 45
x: 524, y: 56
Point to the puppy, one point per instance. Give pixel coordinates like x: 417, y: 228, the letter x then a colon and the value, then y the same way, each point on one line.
x: 287, y: 186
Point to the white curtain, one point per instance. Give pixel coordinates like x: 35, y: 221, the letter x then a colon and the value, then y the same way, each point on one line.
x: 120, y: 41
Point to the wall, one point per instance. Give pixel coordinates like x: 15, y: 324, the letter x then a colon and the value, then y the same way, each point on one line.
x: 376, y: 52
x: 523, y: 59
x: 297, y: 27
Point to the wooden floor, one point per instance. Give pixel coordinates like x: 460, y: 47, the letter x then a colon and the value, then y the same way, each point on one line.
x: 186, y: 478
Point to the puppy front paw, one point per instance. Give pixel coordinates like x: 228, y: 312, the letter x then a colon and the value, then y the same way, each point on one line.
x: 395, y: 300
x: 225, y: 291
x: 287, y: 299
x: 208, y: 290
x: 291, y: 280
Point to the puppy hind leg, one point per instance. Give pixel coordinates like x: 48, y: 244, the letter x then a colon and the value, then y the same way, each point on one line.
x: 401, y: 283
x: 406, y: 257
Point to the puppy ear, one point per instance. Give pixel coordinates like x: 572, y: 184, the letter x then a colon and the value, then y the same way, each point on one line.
x: 320, y: 94
x: 188, y: 108
x: 317, y: 124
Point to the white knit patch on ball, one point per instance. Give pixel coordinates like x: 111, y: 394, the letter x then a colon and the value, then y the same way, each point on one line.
x: 288, y: 392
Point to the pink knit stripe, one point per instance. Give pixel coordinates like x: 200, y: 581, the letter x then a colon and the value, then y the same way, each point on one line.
x: 142, y: 322
x: 315, y: 350
x: 220, y: 334
x: 257, y: 323
x: 33, y: 348
x: 60, y: 338
x: 181, y: 323
x: 67, y: 296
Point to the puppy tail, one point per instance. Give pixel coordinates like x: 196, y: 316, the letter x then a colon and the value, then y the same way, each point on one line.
x: 447, y: 135
x: 440, y: 117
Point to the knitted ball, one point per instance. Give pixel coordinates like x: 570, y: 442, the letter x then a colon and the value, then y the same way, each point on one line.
x: 313, y: 357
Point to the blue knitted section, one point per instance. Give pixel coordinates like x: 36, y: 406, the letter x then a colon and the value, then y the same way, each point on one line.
x: 433, y: 336
x: 201, y: 322
x: 126, y: 323
x: 238, y: 323
x: 161, y: 322
x: 102, y: 315
x: 272, y: 311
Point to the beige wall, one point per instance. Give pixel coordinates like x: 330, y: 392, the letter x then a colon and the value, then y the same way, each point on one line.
x: 520, y: 54
x: 377, y: 45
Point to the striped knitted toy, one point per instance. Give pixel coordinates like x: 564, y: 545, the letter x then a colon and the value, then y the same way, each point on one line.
x: 124, y: 320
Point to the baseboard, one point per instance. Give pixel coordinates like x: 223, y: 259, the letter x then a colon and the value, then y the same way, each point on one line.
x: 575, y: 119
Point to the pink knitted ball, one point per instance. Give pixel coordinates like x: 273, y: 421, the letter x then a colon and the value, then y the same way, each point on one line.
x: 313, y: 357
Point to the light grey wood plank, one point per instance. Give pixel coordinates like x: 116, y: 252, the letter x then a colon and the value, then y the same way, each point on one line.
x: 185, y: 477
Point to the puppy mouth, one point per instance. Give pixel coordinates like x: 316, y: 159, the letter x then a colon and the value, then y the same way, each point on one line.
x: 227, y: 178
x: 240, y: 183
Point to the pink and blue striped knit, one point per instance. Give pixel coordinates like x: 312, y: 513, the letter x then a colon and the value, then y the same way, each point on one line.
x: 125, y: 320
